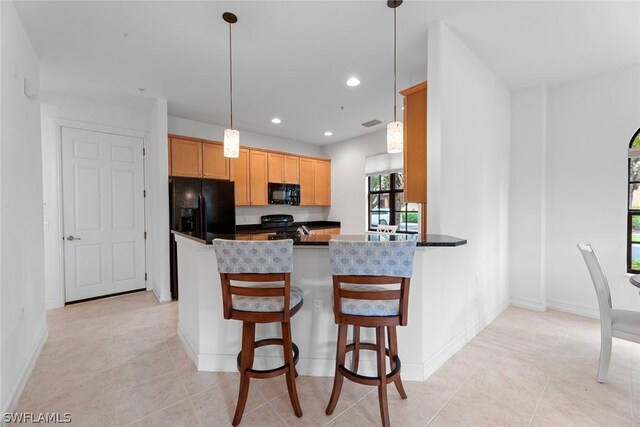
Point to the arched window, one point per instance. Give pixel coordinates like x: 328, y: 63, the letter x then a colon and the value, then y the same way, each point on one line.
x: 633, y: 214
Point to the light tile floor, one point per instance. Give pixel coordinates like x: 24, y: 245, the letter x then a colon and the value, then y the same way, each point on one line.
x: 119, y: 362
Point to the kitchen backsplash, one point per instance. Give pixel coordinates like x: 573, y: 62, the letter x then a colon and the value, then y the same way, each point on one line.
x: 252, y: 214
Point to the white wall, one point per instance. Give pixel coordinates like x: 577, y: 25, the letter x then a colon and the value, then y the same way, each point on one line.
x: 251, y: 214
x: 569, y: 186
x: 590, y: 123
x: 348, y: 187
x: 157, y: 213
x: 23, y: 323
x: 145, y: 121
x: 528, y: 197
x: 468, y: 137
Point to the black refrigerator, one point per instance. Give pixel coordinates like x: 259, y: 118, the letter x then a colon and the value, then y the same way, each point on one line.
x: 199, y: 206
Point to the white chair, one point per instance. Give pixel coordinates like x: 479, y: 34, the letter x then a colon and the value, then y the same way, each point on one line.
x: 623, y: 324
x: 386, y: 229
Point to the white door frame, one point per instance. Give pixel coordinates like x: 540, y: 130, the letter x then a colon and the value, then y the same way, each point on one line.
x: 74, y: 124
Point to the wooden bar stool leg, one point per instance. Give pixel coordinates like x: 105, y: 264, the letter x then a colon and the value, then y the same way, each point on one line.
x: 291, y: 372
x: 246, y: 362
x: 355, y: 354
x: 393, y: 352
x: 340, y: 358
x: 381, y: 359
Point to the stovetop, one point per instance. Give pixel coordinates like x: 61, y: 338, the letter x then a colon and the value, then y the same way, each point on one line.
x: 277, y: 221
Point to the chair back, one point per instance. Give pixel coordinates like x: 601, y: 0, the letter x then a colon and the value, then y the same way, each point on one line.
x: 386, y: 229
x: 371, y: 263
x: 599, y: 280
x: 254, y: 261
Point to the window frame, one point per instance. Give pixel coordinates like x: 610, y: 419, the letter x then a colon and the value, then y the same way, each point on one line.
x: 631, y: 212
x: 392, y: 192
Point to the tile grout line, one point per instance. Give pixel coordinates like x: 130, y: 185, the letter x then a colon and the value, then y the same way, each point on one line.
x: 278, y: 413
x: 151, y: 413
x: 535, y: 410
x: 351, y: 406
x: 186, y: 392
x: 457, y: 390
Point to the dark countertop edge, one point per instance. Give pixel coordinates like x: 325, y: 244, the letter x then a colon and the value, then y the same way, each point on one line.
x: 450, y: 241
x: 313, y: 225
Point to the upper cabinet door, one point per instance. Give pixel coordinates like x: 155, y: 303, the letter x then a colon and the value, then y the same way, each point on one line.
x: 276, y: 167
x: 307, y: 190
x: 240, y: 176
x: 258, y: 165
x: 292, y: 169
x: 214, y: 164
x: 186, y: 158
x: 322, y: 184
x: 415, y: 143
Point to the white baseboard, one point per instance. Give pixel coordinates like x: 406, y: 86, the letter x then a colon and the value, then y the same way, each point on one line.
x: 50, y: 305
x: 434, y: 362
x: 188, y: 346
x: 574, y: 309
x: 162, y: 297
x: 529, y: 304
x: 16, y: 393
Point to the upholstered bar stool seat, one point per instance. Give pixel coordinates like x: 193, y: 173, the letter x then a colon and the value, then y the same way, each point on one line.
x: 370, y: 289
x: 272, y: 299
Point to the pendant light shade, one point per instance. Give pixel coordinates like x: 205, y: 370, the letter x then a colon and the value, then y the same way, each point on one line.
x: 231, y: 143
x: 395, y: 129
x: 231, y: 135
x: 395, y: 136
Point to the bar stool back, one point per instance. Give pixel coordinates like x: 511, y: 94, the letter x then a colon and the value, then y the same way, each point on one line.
x: 273, y: 300
x: 360, y: 271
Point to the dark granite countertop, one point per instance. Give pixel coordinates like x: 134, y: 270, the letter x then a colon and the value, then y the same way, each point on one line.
x: 312, y: 225
x: 323, y: 240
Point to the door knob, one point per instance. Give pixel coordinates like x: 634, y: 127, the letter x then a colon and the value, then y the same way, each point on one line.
x: 73, y: 238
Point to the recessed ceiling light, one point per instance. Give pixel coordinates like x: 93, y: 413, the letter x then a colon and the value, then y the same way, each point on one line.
x: 353, y: 81
x: 276, y: 121
x: 328, y: 133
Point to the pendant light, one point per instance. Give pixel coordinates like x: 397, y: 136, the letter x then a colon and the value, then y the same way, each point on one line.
x: 395, y: 131
x: 231, y: 135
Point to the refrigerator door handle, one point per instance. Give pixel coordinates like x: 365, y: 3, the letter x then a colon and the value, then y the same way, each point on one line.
x: 203, y: 217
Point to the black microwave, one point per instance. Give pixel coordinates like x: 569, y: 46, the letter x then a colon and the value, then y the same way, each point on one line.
x: 284, y: 194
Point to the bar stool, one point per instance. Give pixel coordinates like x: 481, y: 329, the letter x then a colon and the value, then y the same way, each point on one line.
x: 360, y: 271
x: 266, y: 262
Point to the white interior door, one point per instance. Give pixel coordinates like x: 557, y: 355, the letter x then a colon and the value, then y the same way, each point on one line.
x: 103, y: 213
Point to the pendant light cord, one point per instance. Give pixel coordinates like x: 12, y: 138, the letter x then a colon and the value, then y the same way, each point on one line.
x: 230, y: 78
x: 394, y: 65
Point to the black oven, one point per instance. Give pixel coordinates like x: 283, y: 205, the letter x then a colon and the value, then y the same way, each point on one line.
x: 284, y: 194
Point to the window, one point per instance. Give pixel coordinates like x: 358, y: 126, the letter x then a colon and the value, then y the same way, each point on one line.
x: 387, y: 206
x: 633, y: 213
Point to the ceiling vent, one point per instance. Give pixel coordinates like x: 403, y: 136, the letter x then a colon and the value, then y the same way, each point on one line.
x: 372, y: 123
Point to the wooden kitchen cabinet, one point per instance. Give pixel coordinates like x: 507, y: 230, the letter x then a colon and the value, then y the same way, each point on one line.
x: 214, y: 164
x: 315, y: 182
x: 292, y: 169
x: 283, y: 168
x: 239, y: 173
x: 258, y: 177
x: 322, y: 183
x: 276, y: 167
x: 252, y: 171
x: 186, y: 158
x: 415, y: 144
x: 307, y: 182
x: 332, y: 231
x: 249, y: 174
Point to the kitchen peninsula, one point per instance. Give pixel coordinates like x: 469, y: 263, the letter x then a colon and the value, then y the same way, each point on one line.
x: 213, y: 343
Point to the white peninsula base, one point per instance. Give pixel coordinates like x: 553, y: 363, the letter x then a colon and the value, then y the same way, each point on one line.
x: 443, y: 314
